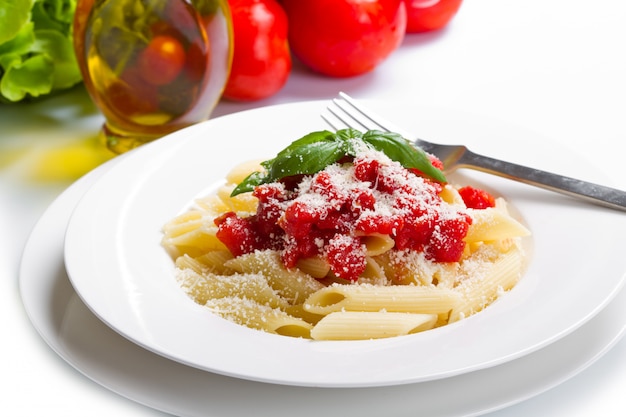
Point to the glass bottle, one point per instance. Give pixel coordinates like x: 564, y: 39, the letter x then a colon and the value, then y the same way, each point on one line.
x: 152, y: 66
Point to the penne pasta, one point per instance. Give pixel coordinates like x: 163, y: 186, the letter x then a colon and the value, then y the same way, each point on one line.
x: 374, y: 273
x: 451, y: 195
x: 294, y: 285
x: 482, y: 287
x: 242, y: 203
x: 394, y: 298
x: 314, y: 266
x: 184, y: 223
x: 214, y: 261
x: 298, y: 310
x: 252, y: 314
x: 357, y: 325
x: 377, y: 244
x: 211, y: 204
x: 187, y: 262
x: 241, y: 171
x: 493, y: 224
x: 194, y: 243
x: 413, y: 268
x: 204, y: 287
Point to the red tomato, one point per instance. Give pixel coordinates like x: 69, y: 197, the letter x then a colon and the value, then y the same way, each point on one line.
x: 131, y: 95
x: 198, y: 57
x: 427, y: 15
x: 162, y: 60
x: 261, y: 59
x: 343, y: 38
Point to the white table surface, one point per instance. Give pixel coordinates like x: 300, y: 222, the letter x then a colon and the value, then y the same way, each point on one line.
x: 557, y: 67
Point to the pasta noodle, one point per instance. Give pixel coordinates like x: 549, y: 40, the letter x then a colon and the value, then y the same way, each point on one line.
x: 492, y: 224
x: 293, y: 285
x: 297, y: 278
x: 373, y: 273
x: 315, y: 266
x: 377, y: 244
x: 358, y: 325
x: 192, y: 233
x: 395, y: 298
x: 259, y: 316
x: 242, y: 170
x: 243, y: 203
x: 205, y: 287
x: 480, y: 288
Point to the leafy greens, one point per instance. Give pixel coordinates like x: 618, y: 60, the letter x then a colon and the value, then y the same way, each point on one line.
x: 36, y: 49
x: 315, y: 151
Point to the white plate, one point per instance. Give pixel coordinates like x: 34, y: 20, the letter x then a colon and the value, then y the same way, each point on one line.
x: 75, y: 334
x: 117, y: 266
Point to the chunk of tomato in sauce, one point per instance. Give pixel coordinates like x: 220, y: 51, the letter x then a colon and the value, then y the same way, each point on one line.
x: 476, y: 198
x: 446, y: 243
x: 236, y: 233
x: 346, y: 256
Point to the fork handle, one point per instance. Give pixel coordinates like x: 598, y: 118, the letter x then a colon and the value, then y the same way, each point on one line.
x: 598, y: 194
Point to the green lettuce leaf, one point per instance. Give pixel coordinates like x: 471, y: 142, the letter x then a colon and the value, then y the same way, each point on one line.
x: 13, y: 15
x: 36, y: 48
x: 32, y: 76
x: 60, y: 49
x: 21, y: 43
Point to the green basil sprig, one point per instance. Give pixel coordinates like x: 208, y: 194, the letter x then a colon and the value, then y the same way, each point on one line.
x: 315, y: 151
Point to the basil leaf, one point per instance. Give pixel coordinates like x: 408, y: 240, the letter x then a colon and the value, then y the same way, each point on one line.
x: 347, y: 134
x: 401, y: 150
x: 303, y: 142
x: 248, y: 184
x: 307, y: 159
x: 315, y: 151
x: 307, y: 155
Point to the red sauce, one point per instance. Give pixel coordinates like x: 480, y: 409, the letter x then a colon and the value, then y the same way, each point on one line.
x: 476, y: 198
x: 327, y: 214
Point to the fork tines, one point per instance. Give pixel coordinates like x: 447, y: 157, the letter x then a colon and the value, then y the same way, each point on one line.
x: 345, y: 112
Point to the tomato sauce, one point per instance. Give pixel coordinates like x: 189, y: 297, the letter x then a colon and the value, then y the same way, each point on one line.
x: 329, y: 213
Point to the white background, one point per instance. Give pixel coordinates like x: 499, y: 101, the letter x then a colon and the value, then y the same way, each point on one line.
x: 557, y: 67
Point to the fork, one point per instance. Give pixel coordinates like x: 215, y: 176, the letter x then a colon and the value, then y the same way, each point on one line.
x: 347, y: 112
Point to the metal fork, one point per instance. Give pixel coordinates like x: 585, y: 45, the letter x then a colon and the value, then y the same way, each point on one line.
x: 347, y: 112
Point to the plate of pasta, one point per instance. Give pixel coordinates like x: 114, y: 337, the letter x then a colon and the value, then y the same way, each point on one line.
x: 275, y: 273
